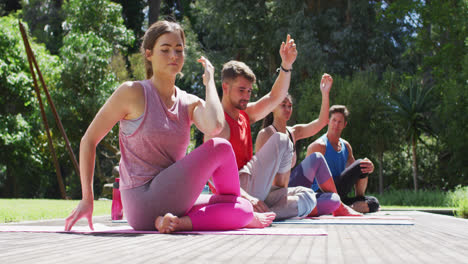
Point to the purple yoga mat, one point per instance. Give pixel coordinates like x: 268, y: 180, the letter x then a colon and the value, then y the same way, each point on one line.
x: 99, y: 228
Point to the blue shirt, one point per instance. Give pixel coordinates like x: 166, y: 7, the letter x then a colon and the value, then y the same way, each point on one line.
x: 336, y: 160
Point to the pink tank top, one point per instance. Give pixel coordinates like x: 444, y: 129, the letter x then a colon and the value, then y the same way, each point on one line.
x: 160, y: 140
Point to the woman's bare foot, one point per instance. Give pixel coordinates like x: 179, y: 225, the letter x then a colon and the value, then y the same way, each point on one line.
x: 170, y: 223
x: 167, y: 224
x: 314, y: 213
x: 345, y: 210
x: 261, y: 220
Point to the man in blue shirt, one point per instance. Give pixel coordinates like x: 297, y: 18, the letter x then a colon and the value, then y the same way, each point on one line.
x: 346, y: 171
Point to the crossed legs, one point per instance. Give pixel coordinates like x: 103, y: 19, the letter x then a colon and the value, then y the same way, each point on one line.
x: 172, y: 201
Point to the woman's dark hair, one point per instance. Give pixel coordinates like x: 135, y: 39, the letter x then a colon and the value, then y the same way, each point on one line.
x: 151, y: 36
x: 268, y: 120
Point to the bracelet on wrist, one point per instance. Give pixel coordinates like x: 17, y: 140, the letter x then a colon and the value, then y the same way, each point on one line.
x: 283, y: 69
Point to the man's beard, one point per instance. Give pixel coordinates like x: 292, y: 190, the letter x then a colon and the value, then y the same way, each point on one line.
x: 241, y: 106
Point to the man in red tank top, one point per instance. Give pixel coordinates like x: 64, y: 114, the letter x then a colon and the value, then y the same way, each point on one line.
x: 257, y: 173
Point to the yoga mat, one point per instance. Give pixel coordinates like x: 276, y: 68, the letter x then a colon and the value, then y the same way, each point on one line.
x: 101, y: 229
x: 364, y: 217
x: 345, y: 221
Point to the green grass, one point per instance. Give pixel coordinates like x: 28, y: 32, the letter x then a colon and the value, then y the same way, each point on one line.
x: 456, y: 200
x: 17, y: 210
x: 432, y: 198
x: 459, y: 199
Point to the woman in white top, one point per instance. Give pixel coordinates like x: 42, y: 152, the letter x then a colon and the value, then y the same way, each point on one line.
x: 314, y: 166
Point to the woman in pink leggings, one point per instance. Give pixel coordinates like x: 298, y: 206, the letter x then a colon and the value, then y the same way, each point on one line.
x: 160, y: 185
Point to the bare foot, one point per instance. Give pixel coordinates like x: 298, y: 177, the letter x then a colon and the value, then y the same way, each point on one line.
x: 314, y: 213
x: 345, y: 210
x: 167, y: 224
x: 261, y: 220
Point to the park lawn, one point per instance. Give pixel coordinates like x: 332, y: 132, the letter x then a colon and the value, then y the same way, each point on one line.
x: 17, y: 210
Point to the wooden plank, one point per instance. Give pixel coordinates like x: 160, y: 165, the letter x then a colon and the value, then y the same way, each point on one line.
x: 433, y: 239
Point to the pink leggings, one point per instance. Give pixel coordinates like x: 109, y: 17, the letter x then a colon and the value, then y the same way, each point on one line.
x: 177, y: 190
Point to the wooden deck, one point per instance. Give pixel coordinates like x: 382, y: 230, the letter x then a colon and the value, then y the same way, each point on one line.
x: 432, y: 239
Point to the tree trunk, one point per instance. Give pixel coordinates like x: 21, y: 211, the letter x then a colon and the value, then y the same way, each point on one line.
x: 11, y: 190
x: 348, y: 13
x: 99, y: 174
x: 153, y: 13
x: 11, y: 5
x: 180, y: 7
x: 414, y: 167
x: 381, y: 172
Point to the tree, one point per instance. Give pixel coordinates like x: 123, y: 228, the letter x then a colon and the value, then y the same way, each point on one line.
x: 339, y: 37
x: 45, y: 19
x: 442, y: 46
x: 413, y: 107
x: 7, y: 6
x: 25, y: 164
x: 153, y: 12
x: 382, y: 130
x: 102, y: 17
x: 134, y: 18
x: 95, y: 32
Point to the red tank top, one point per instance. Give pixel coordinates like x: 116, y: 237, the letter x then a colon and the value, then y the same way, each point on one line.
x: 241, y: 139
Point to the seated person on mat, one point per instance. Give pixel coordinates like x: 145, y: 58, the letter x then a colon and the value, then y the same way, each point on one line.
x: 314, y: 166
x: 347, y: 172
x: 161, y: 185
x: 258, y: 172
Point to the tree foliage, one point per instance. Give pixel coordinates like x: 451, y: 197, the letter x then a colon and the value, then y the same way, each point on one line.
x: 413, y: 106
x: 379, y: 53
x: 45, y: 18
x: 95, y: 31
x: 25, y: 163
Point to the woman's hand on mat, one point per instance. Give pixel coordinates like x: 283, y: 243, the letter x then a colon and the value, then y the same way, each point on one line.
x: 326, y: 83
x: 84, y: 209
x: 288, y: 53
x: 366, y: 166
x: 259, y: 206
x: 209, y: 70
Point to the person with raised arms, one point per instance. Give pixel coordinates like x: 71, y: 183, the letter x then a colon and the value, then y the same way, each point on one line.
x: 272, y: 163
x: 314, y: 166
x: 160, y: 185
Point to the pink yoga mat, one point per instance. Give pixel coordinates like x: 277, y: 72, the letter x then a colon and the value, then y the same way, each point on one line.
x: 99, y: 228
